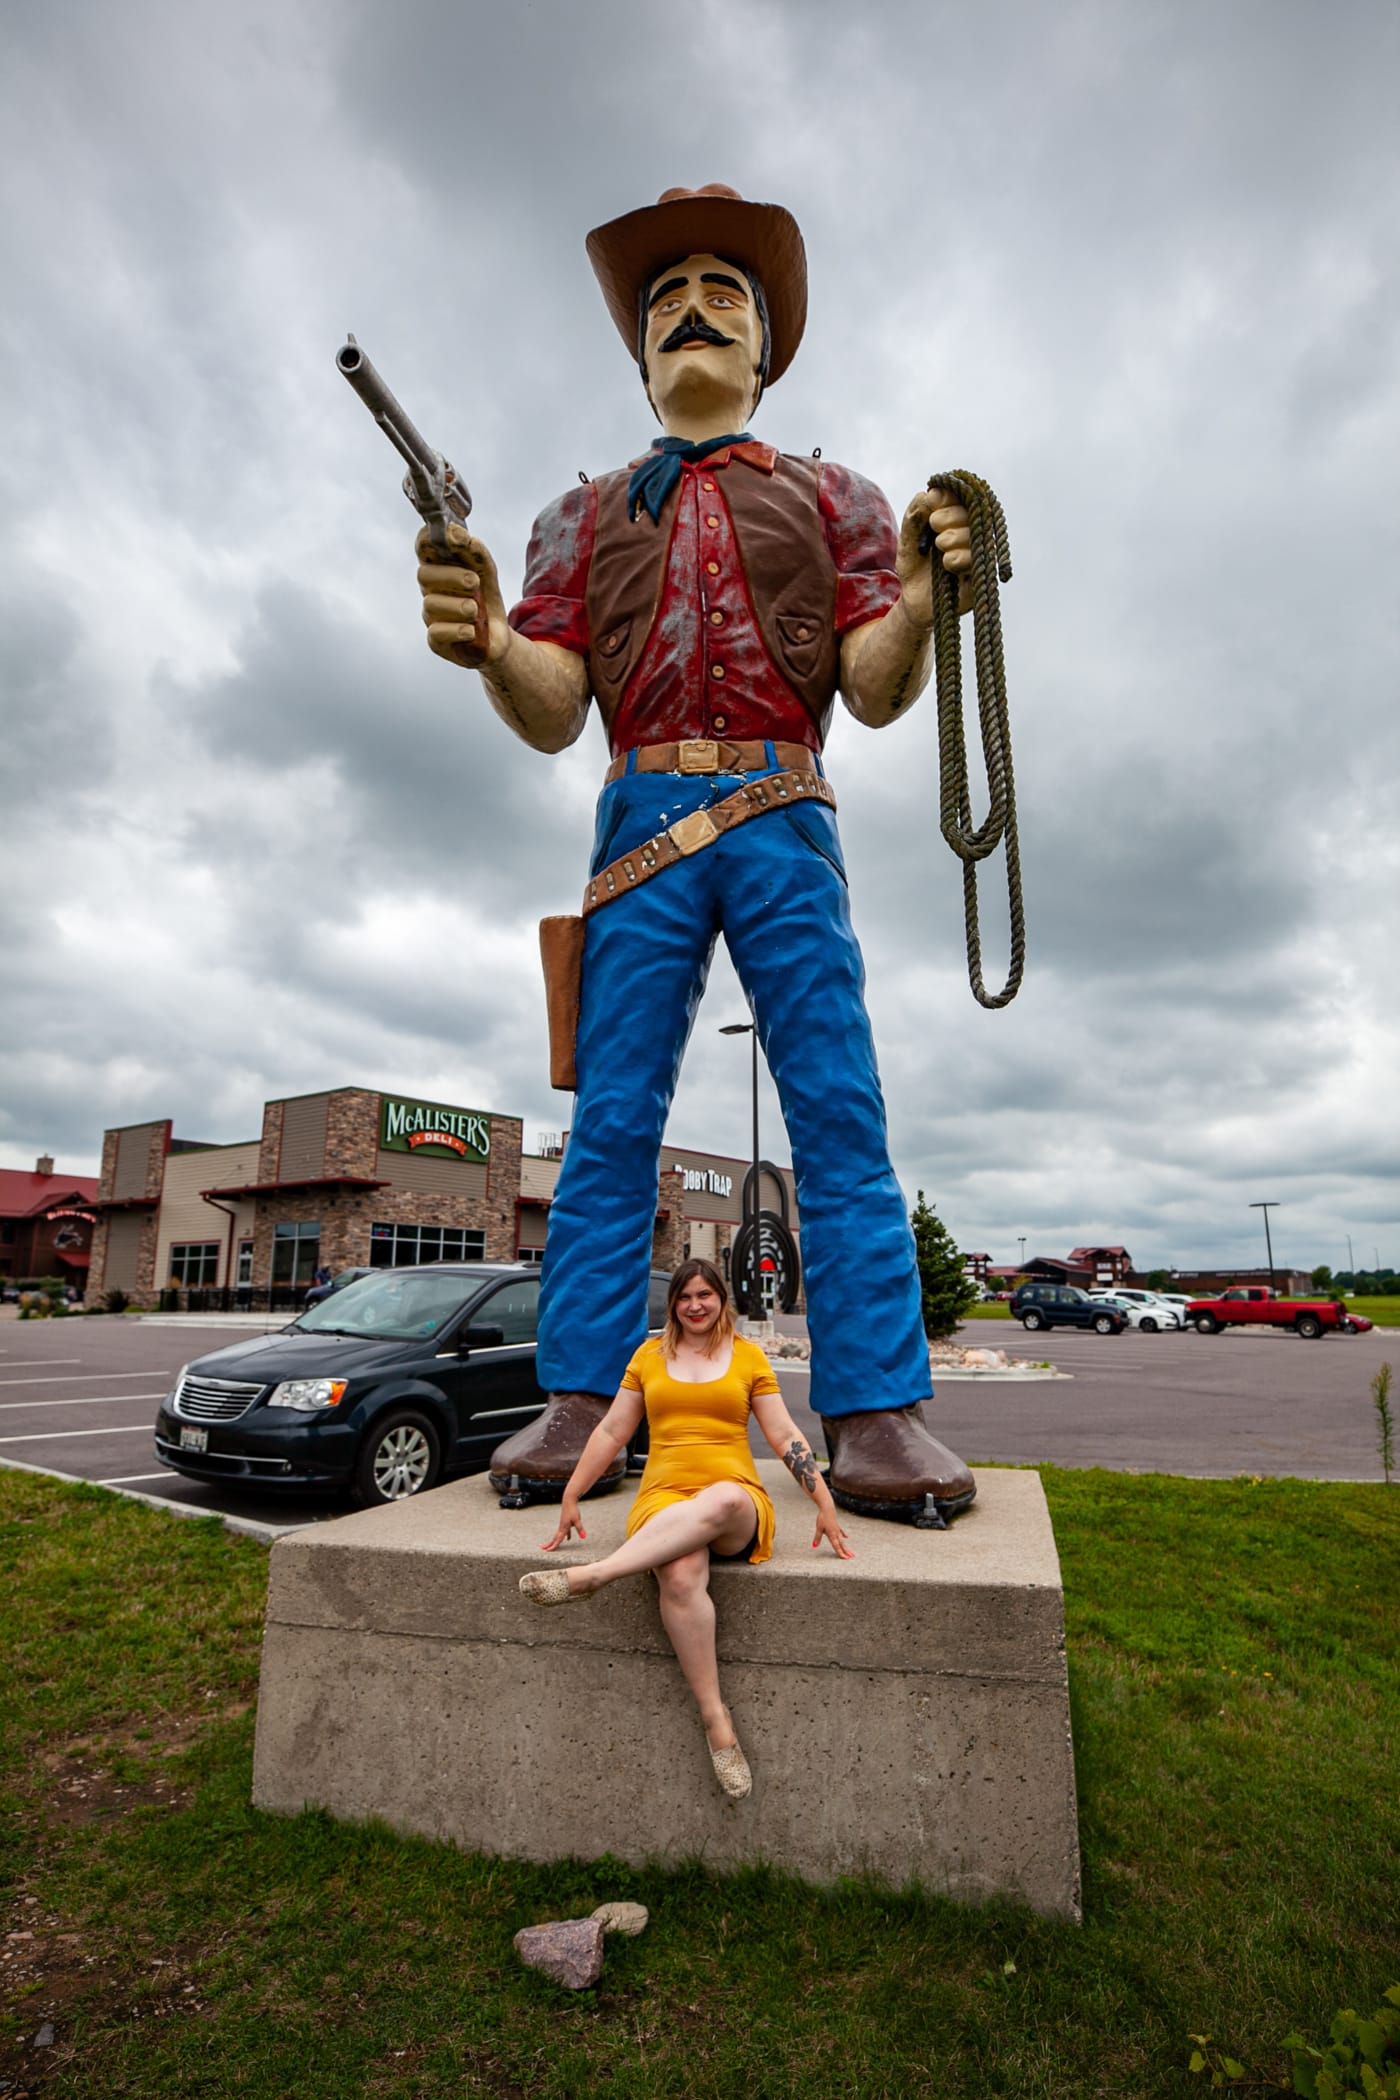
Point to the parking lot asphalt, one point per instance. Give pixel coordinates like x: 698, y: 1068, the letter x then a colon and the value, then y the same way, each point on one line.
x: 78, y: 1397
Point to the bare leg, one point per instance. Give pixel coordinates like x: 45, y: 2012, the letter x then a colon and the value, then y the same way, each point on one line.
x: 688, y: 1614
x: 722, y: 1516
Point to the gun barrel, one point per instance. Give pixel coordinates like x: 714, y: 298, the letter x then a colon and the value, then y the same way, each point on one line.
x: 381, y: 403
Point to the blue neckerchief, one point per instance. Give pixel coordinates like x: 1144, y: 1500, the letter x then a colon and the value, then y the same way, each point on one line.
x: 652, y: 482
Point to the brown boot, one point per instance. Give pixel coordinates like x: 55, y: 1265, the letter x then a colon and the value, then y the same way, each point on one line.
x: 534, y: 1465
x: 885, y: 1464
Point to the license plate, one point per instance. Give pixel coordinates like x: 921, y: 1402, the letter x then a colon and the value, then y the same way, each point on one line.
x: 194, y: 1440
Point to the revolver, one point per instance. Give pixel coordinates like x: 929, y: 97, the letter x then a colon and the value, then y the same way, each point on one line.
x: 434, y: 488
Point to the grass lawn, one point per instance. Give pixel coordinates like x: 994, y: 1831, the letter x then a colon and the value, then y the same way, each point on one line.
x: 1381, y: 1312
x: 1233, y: 1656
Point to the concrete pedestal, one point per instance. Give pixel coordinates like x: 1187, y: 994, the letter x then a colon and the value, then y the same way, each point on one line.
x: 906, y: 1714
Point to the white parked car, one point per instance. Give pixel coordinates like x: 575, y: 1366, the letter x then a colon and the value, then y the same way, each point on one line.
x: 1142, y: 1309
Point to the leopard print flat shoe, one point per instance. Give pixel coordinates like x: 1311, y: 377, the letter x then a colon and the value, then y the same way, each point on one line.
x: 732, y: 1767
x: 550, y: 1586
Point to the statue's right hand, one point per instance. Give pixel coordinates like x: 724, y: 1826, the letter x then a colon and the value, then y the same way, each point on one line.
x: 463, y: 609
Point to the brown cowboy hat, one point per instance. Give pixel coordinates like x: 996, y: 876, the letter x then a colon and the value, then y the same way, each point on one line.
x: 627, y: 253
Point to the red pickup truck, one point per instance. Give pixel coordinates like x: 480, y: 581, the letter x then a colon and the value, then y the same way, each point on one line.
x: 1250, y: 1305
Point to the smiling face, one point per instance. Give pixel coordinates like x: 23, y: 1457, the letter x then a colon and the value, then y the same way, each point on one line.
x: 702, y: 347
x: 698, y: 1307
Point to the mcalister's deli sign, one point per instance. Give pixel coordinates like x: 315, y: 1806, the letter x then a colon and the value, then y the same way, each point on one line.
x: 421, y: 1126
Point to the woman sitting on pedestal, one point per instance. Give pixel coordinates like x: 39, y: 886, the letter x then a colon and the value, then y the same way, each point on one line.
x: 700, y: 1497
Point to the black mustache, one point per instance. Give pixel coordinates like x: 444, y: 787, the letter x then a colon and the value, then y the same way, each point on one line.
x: 692, y: 330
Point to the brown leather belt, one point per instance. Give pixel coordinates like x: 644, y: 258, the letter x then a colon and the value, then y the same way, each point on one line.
x: 701, y: 754
x: 703, y: 826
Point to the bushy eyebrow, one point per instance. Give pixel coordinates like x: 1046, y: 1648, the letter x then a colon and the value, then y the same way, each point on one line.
x: 672, y: 284
x: 714, y: 277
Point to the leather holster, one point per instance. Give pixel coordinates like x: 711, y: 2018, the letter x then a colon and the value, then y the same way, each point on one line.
x: 561, y: 952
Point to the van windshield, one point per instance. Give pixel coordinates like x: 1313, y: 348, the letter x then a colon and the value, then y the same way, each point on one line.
x: 395, y: 1305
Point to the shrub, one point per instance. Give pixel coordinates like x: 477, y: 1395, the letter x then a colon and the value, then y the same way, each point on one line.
x: 946, y: 1290
x: 1385, y: 1425
x: 1364, y: 2056
x: 115, y: 1301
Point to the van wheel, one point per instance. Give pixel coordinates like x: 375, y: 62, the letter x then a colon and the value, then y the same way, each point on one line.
x: 1104, y: 1324
x: 1205, y: 1323
x: 401, y: 1456
x: 1148, y: 1324
x: 1309, y: 1326
x: 1032, y: 1321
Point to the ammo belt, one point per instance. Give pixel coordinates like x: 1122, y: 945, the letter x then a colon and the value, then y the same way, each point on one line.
x: 703, y: 826
x: 701, y: 754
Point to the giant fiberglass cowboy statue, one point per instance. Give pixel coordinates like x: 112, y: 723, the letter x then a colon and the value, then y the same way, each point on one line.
x: 712, y: 597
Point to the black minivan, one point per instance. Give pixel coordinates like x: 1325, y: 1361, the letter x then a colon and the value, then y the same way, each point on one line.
x: 382, y: 1389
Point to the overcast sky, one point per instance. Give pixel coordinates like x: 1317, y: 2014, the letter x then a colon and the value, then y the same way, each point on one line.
x: 1134, y: 263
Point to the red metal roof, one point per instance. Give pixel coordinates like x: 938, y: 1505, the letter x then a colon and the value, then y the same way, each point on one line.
x: 27, y: 1195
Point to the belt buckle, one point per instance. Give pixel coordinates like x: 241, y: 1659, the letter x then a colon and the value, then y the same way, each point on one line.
x: 697, y: 754
x: 694, y: 831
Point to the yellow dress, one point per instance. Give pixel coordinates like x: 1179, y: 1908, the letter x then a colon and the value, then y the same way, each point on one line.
x: 700, y: 1433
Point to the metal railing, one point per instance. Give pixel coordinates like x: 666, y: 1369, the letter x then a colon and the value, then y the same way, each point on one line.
x: 240, y: 1297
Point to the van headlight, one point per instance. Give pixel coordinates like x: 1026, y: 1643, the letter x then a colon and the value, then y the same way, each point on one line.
x: 308, y: 1395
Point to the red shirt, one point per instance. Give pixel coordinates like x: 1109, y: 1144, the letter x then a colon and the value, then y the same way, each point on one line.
x: 704, y: 670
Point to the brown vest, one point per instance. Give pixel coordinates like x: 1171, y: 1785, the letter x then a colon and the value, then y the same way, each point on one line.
x: 788, y: 568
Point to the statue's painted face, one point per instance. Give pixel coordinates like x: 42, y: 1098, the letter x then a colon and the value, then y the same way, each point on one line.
x: 703, y: 335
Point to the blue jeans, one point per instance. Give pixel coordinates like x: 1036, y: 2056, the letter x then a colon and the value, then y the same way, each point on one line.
x: 776, y: 889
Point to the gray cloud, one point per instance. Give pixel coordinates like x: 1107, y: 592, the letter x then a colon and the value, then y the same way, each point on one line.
x: 1134, y: 265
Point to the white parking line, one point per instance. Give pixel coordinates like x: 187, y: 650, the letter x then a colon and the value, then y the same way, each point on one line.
x: 58, y: 1436
x: 74, y: 1377
x: 127, y: 1479
x: 19, y: 1363
x: 9, y: 1407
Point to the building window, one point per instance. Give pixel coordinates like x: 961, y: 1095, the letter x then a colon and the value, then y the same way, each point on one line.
x: 529, y: 1253
x: 194, y: 1263
x: 295, y: 1251
x: 245, y: 1265
x: 404, y: 1246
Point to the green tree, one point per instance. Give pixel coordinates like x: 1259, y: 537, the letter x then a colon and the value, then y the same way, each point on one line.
x: 1159, y: 1280
x: 946, y: 1290
x: 1322, y: 1278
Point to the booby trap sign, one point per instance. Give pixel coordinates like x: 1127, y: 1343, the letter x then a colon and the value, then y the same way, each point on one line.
x: 426, y: 1126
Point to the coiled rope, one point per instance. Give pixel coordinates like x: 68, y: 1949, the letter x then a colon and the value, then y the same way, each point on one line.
x: 991, y: 566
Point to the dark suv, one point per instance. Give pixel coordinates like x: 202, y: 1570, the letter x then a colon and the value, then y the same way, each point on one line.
x: 402, y: 1377
x: 1038, y: 1305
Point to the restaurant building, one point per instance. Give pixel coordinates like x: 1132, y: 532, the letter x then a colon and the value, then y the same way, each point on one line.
x: 46, y: 1224
x: 352, y: 1178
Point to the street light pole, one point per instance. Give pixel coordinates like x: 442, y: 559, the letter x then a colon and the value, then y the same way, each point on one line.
x: 1268, y: 1240
x: 751, y: 1207
x: 1021, y: 1242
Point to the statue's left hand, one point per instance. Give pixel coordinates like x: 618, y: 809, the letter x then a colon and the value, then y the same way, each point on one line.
x: 931, y: 509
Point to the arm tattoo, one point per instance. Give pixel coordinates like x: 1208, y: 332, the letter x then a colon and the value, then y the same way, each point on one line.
x: 800, y: 1463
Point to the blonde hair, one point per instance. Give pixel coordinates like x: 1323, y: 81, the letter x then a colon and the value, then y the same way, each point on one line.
x: 673, y: 1334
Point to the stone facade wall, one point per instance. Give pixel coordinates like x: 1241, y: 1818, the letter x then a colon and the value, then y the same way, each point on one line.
x: 270, y: 1151
x: 352, y: 1132
x: 503, y: 1183
x: 108, y: 1172
x: 668, y: 1234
